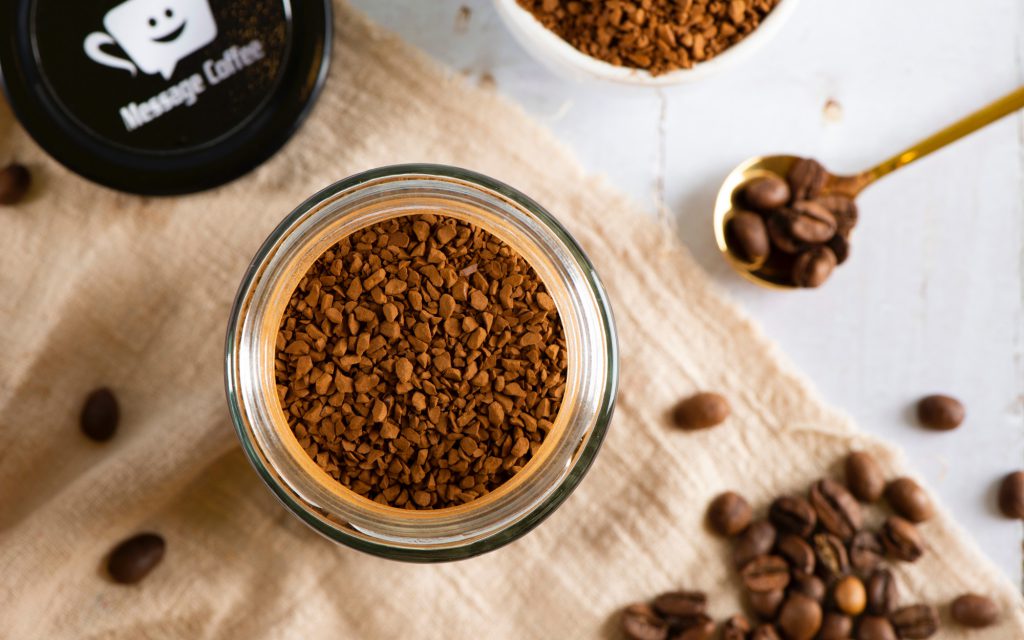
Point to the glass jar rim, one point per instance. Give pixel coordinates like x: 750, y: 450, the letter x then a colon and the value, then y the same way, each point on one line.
x: 406, y: 544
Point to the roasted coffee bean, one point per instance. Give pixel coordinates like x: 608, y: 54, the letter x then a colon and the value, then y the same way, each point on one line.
x: 736, y: 628
x: 766, y: 193
x: 766, y: 603
x: 681, y: 604
x: 813, y: 267
x: 838, y: 511
x: 765, y: 573
x: 849, y: 596
x: 793, y: 514
x: 1011, y: 495
x: 807, y: 584
x: 729, y: 514
x: 779, y: 224
x: 866, y: 551
x: 812, y: 223
x: 133, y: 559
x: 757, y: 540
x: 701, y: 411
x: 700, y: 627
x: 747, y: 236
x: 975, y: 611
x: 100, y: 415
x: 875, y: 628
x: 640, y: 622
x: 915, y: 622
x: 799, y: 617
x: 901, y: 539
x: 864, y: 477
x: 908, y: 499
x: 844, y: 209
x: 840, y: 247
x: 882, y: 594
x: 940, y: 412
x: 797, y: 552
x: 806, y: 179
x: 765, y: 632
x: 835, y: 626
x: 833, y: 562
x: 15, y: 180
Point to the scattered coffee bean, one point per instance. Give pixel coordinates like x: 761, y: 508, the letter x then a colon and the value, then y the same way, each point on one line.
x: 849, y: 596
x: 757, y: 540
x: 765, y: 604
x: 838, y: 511
x: 133, y: 559
x: 797, y: 552
x: 765, y: 573
x: 681, y: 604
x: 747, y: 236
x: 1011, y: 495
x: 866, y: 551
x: 915, y: 622
x: 100, y: 415
x: 799, y: 617
x: 882, y: 594
x: 807, y: 179
x: 701, y: 411
x: 975, y: 611
x: 833, y: 561
x: 813, y: 267
x: 729, y: 514
x: 901, y: 539
x: 875, y: 628
x: 908, y: 499
x: 15, y: 180
x: 793, y: 514
x: 940, y: 412
x: 864, y: 477
x: 640, y: 622
x: 766, y: 193
x: 807, y: 584
x: 765, y: 632
x: 835, y: 626
x: 736, y: 628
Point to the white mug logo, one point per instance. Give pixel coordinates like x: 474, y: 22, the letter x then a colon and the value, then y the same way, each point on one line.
x: 156, y: 34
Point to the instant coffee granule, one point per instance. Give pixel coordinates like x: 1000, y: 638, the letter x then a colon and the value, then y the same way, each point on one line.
x: 421, y: 362
x: 655, y: 35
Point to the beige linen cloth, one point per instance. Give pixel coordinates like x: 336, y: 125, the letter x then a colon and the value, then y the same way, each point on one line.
x: 102, y: 288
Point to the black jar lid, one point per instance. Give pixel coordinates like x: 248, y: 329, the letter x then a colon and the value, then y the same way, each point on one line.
x: 163, y: 97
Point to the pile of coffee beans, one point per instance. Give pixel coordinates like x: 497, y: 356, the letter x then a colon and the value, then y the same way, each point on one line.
x: 657, y: 36
x: 15, y: 180
x: 792, y: 226
x: 421, y: 362
x: 811, y: 569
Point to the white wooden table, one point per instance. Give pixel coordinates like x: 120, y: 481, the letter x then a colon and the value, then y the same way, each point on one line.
x: 933, y: 296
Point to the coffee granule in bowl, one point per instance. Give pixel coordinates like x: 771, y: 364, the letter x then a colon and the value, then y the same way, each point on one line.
x: 421, y: 362
x: 656, y: 36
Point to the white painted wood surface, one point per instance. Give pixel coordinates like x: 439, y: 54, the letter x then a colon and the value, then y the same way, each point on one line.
x: 933, y: 296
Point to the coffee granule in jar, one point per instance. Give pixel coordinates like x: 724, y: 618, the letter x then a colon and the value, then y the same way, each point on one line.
x: 657, y: 36
x: 421, y: 362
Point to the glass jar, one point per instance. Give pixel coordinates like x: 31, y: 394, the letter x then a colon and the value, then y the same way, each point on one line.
x: 516, y: 506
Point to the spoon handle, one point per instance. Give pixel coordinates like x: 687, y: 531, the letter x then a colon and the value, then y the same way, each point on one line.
x: 985, y: 116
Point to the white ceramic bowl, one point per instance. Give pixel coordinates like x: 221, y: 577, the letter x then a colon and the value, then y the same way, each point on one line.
x: 567, y: 60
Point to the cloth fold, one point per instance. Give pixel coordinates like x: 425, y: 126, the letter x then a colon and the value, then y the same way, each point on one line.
x: 99, y: 288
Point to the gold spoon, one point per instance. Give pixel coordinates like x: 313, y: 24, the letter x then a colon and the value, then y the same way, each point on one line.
x: 850, y: 186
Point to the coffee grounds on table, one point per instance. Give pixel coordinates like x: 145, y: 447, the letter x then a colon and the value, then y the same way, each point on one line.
x: 655, y: 35
x: 421, y: 362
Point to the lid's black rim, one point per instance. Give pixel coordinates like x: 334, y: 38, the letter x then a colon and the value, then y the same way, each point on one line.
x: 169, y: 174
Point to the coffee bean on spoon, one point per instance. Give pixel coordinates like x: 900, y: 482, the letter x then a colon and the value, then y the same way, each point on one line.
x: 1011, y: 495
x: 747, y: 237
x: 940, y: 412
x: 974, y: 611
x: 806, y: 178
x: 864, y: 477
x: 729, y: 514
x: 766, y: 193
x: 100, y: 415
x: 840, y: 246
x: 909, y: 499
x: 135, y: 558
x: 701, y: 411
x: 15, y: 180
x: 813, y: 267
x: 844, y: 209
x: 811, y: 223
